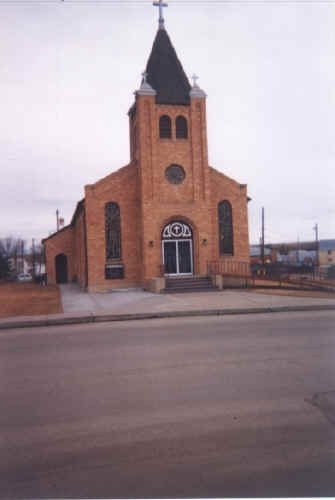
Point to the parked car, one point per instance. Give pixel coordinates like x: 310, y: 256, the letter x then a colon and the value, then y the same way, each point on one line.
x: 24, y: 277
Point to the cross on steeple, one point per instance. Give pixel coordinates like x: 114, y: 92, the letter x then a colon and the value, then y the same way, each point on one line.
x: 160, y: 4
x: 195, y: 78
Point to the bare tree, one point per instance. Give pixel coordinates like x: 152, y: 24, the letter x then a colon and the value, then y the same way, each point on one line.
x: 13, y: 249
x: 8, y: 246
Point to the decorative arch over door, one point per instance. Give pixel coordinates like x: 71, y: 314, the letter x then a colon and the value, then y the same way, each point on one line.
x: 61, y: 268
x: 177, y: 249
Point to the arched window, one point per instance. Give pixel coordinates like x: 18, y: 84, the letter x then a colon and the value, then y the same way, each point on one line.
x: 226, y: 243
x: 113, y: 231
x: 181, y: 127
x: 165, y: 127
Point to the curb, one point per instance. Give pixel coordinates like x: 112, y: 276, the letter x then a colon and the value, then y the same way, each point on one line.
x: 104, y: 318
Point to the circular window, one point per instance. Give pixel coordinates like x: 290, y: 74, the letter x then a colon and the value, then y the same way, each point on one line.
x: 175, y: 174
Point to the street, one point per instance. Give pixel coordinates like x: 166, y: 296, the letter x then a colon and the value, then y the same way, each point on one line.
x: 190, y: 407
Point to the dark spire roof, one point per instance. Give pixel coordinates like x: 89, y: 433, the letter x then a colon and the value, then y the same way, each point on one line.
x: 165, y: 73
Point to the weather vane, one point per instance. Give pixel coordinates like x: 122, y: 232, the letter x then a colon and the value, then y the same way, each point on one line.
x: 160, y: 4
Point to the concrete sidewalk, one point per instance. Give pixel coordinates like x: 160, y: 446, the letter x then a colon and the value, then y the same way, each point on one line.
x: 81, y: 307
x: 138, y: 301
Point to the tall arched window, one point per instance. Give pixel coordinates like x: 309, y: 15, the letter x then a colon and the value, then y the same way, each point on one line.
x: 113, y: 231
x: 181, y: 127
x: 225, y: 218
x: 165, y: 127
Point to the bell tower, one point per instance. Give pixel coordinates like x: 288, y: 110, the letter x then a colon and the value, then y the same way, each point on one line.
x: 168, y: 139
x: 168, y: 124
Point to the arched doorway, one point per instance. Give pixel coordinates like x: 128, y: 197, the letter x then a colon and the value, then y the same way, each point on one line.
x: 61, y: 268
x: 177, y: 249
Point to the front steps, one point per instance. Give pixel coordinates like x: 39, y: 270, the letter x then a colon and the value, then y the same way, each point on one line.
x: 188, y: 284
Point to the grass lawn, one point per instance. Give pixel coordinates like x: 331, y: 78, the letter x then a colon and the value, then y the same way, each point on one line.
x: 21, y: 299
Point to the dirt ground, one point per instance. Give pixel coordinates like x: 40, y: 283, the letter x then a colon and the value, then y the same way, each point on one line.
x: 20, y: 299
x: 296, y: 293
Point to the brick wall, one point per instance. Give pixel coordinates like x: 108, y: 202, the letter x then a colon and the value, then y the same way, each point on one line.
x: 59, y: 243
x: 193, y: 201
x: 148, y: 201
x: 79, y: 249
x: 120, y: 187
x: 224, y: 188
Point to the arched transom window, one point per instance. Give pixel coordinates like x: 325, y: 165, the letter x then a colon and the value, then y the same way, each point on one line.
x: 176, y: 230
x: 181, y: 127
x: 226, y: 237
x: 113, y: 231
x: 165, y: 127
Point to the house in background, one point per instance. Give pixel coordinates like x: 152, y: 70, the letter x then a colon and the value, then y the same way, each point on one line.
x: 327, y: 252
x: 308, y: 254
x: 256, y: 254
x: 19, y: 264
x: 297, y: 254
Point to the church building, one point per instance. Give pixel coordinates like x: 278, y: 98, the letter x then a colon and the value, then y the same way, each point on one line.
x: 167, y: 213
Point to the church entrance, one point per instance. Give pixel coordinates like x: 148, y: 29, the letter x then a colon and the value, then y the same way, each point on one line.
x: 177, y: 249
x: 61, y: 268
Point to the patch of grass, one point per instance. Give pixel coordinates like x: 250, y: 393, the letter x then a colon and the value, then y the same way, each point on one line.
x: 21, y: 299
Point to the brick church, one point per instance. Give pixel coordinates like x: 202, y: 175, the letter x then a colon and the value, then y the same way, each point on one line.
x: 166, y: 213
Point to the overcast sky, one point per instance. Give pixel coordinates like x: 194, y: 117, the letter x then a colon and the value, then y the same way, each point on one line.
x: 68, y: 70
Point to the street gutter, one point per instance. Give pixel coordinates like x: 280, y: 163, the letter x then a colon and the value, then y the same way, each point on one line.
x: 57, y: 320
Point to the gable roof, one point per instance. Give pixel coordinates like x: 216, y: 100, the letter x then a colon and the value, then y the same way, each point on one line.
x: 65, y: 228
x: 165, y: 73
x: 80, y: 206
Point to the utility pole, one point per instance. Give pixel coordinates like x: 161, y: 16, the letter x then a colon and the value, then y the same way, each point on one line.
x: 15, y: 257
x: 57, y: 219
x: 22, y: 256
x: 262, y: 240
x: 316, y: 229
x: 297, y: 251
x: 33, y: 256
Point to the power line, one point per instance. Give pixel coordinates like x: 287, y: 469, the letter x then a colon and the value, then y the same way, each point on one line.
x: 179, y: 2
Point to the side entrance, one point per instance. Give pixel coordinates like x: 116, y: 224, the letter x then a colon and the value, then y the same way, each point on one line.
x: 61, y: 268
x: 177, y: 249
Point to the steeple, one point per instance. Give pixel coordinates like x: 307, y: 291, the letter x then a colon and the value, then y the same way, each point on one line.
x: 165, y: 73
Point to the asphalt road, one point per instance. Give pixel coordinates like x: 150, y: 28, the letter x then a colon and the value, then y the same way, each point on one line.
x: 196, y: 407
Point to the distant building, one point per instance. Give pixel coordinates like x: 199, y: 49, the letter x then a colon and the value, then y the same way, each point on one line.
x: 327, y: 252
x: 256, y: 254
x: 298, y: 256
x: 19, y: 264
x: 308, y: 253
x: 298, y: 253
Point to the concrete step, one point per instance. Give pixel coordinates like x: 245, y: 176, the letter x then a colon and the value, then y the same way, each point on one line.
x: 188, y: 281
x: 189, y: 284
x: 190, y: 290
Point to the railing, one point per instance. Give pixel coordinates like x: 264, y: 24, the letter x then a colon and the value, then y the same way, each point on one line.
x: 269, y: 276
x: 274, y: 276
x: 229, y: 268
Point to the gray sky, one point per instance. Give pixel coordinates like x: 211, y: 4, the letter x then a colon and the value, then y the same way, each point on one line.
x: 67, y: 75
